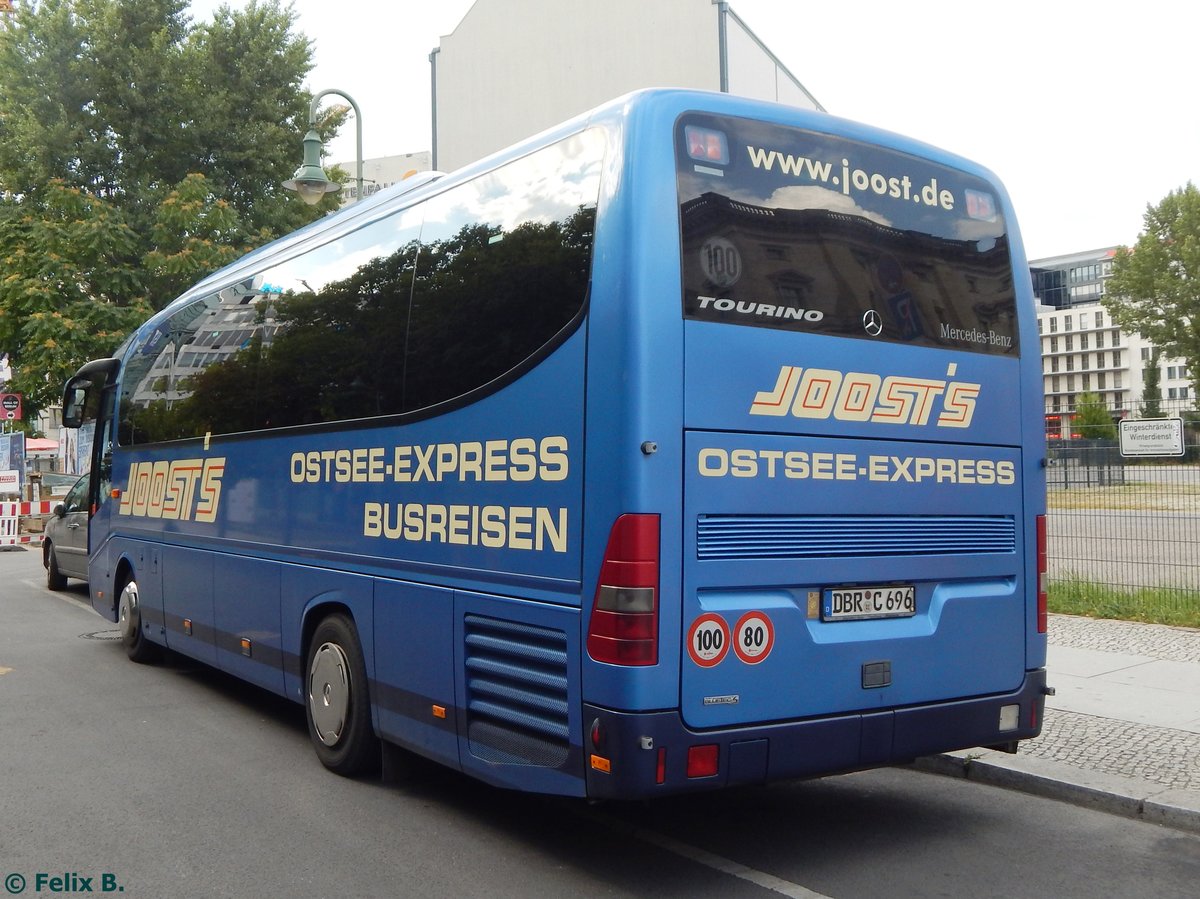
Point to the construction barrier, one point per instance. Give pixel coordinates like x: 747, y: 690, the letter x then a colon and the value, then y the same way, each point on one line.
x: 13, y: 514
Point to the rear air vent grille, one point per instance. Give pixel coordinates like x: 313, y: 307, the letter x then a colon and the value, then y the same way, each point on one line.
x: 516, y: 692
x: 841, y: 536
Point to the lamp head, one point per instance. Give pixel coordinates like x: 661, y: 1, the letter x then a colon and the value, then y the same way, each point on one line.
x: 310, y: 180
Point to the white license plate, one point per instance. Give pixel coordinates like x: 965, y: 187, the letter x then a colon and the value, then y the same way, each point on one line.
x: 877, y: 601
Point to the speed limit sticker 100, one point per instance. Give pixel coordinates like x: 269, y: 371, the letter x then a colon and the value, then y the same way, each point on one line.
x: 708, y: 640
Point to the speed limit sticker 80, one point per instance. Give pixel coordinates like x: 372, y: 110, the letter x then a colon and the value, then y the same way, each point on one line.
x: 709, y: 639
x: 753, y: 637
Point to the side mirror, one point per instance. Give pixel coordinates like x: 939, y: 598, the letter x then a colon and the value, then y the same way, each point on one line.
x: 81, y: 395
x: 60, y: 510
x: 74, y: 400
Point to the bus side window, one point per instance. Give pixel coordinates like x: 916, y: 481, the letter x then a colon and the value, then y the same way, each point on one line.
x: 504, y: 268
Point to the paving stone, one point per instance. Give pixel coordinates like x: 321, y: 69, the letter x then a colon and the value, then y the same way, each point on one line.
x: 1156, y: 641
x: 1125, y: 767
x: 1160, y: 755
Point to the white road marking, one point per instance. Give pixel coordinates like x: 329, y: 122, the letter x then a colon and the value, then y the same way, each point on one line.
x: 727, y: 866
x: 706, y: 858
x: 70, y: 598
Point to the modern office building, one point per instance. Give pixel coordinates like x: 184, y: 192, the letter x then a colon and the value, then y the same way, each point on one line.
x: 1085, y: 351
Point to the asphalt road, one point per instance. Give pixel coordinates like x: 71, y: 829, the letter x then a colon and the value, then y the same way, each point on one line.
x: 175, y: 781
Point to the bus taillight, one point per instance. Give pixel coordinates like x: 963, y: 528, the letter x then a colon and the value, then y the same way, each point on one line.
x: 707, y: 144
x: 624, y: 624
x: 1041, y: 574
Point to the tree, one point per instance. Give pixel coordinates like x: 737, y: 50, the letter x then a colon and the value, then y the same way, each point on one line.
x: 138, y: 153
x: 248, y: 112
x: 125, y: 98
x: 194, y: 232
x: 1093, y: 421
x: 68, y: 289
x: 1151, y: 405
x: 1155, y: 286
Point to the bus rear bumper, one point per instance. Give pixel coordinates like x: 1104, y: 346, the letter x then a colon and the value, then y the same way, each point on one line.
x: 638, y: 755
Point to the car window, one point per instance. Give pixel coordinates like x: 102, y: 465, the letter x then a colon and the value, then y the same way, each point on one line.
x: 76, y: 499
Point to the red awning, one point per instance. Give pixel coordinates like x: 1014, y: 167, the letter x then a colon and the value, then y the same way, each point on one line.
x: 40, y: 445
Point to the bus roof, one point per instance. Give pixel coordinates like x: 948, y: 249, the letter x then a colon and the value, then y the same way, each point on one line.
x: 657, y: 103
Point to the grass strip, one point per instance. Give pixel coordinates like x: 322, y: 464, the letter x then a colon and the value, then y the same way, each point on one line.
x: 1178, y: 607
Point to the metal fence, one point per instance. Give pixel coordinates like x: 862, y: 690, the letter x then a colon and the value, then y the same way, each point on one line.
x: 1129, y: 524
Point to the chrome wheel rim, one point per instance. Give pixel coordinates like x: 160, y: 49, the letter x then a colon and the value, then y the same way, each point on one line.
x: 130, y: 613
x: 329, y: 692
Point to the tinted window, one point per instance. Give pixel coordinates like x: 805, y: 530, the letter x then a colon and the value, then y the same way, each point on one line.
x: 791, y: 229
x: 501, y: 268
x: 504, y: 268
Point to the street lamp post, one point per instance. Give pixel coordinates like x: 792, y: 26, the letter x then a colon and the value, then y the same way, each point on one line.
x: 310, y: 180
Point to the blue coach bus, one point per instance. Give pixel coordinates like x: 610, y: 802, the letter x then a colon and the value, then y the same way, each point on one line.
x: 695, y: 442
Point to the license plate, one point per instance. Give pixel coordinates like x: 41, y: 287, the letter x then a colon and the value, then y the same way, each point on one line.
x: 876, y: 601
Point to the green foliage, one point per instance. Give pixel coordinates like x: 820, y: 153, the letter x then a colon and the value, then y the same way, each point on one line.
x: 248, y: 112
x: 68, y: 291
x: 139, y: 152
x: 1093, y: 421
x: 1151, y: 405
x: 194, y: 232
x: 1155, y: 286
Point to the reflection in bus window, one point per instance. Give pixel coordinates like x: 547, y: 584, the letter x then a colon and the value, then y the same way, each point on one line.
x: 501, y: 267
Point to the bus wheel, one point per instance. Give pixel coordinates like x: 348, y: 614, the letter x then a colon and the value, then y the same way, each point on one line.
x: 129, y: 618
x: 338, y: 705
x: 55, y: 579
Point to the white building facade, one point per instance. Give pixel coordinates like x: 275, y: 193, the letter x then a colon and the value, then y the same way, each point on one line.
x: 558, y: 58
x: 382, y: 172
x: 1084, y: 351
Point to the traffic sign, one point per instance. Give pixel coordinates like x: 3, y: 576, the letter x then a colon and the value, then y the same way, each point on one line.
x: 10, y: 405
x: 1152, y: 437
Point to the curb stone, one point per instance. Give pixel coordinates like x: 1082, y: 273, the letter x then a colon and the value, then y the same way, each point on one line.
x: 1125, y: 796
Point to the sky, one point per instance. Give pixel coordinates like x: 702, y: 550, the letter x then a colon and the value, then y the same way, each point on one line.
x: 1085, y: 110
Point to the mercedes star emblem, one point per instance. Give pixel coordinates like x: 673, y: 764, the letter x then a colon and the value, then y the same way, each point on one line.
x: 872, y: 323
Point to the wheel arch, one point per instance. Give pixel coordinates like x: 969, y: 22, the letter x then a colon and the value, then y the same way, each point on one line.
x: 123, y: 573
x: 314, y: 615
x: 307, y: 598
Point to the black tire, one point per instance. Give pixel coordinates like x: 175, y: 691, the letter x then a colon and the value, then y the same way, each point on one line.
x: 55, y: 579
x: 336, y: 702
x: 129, y: 619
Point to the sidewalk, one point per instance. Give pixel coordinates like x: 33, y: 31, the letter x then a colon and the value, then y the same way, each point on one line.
x: 1122, y: 732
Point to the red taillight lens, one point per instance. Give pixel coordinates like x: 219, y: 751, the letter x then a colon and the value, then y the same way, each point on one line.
x: 624, y: 623
x: 703, y: 761
x: 707, y: 144
x: 1041, y: 574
